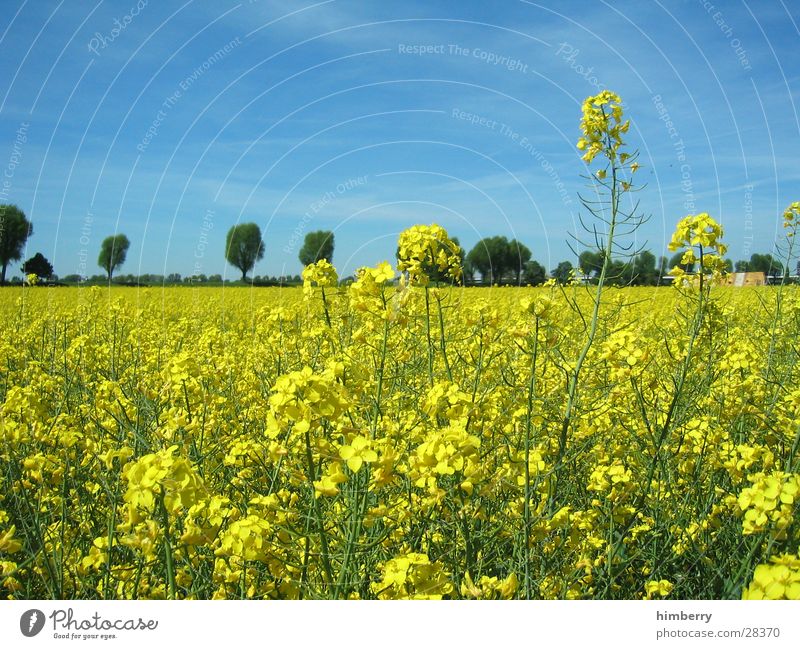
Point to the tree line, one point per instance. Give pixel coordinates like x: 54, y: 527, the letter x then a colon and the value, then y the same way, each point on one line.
x: 244, y: 246
x: 492, y: 261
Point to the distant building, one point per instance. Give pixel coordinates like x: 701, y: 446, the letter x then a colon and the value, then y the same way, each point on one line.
x: 747, y: 279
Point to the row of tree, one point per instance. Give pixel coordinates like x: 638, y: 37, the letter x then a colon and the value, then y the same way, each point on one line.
x: 243, y: 248
x: 15, y: 229
x: 493, y: 260
x: 148, y: 279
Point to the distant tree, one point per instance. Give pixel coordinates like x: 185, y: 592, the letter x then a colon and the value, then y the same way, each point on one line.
x: 244, y: 247
x: 642, y: 269
x: 591, y: 262
x: 562, y: 272
x: 619, y: 273
x: 491, y: 257
x: 174, y: 278
x: 317, y: 245
x: 534, y: 273
x: 14, y: 232
x: 38, y: 265
x: 468, y: 269
x: 742, y: 266
x: 518, y: 255
x: 728, y: 265
x: 73, y: 279
x: 663, y: 268
x: 766, y: 264
x: 215, y: 278
x: 113, y: 251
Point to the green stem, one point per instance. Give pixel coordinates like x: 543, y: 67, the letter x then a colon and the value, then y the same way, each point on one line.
x: 526, y: 515
x: 428, y: 334
x: 572, y: 387
x: 170, y: 568
x: 443, y: 341
x: 323, y: 538
x: 325, y: 306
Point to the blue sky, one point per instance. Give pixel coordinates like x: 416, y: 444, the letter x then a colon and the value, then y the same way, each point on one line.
x: 171, y: 121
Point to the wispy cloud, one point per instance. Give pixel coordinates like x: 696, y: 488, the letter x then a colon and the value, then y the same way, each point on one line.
x: 320, y: 92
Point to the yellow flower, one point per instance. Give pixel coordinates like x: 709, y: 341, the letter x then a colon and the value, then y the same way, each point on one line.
x: 321, y: 273
x: 383, y: 273
x: 658, y: 589
x: 246, y: 539
x: 791, y: 216
x: 425, y: 250
x: 413, y: 576
x: 602, y: 126
x: 328, y: 484
x: 697, y: 230
x: 779, y: 579
x: 357, y: 452
x: 161, y: 476
x: 8, y: 543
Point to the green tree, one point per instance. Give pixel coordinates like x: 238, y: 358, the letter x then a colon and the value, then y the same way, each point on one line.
x: 491, y: 257
x: 591, y: 262
x: 38, y: 265
x: 534, y: 274
x: 643, y: 269
x: 766, y: 264
x: 244, y: 247
x: 468, y: 269
x: 663, y: 268
x: 618, y: 273
x: 14, y: 232
x: 317, y: 245
x: 113, y: 251
x: 562, y: 272
x: 518, y: 255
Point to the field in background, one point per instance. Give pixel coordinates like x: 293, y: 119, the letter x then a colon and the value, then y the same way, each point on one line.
x: 376, y: 441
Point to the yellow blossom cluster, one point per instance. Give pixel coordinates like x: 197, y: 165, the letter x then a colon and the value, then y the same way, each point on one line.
x: 413, y: 576
x: 602, y: 126
x: 427, y: 250
x: 770, y: 502
x: 778, y: 579
x: 320, y: 273
x: 160, y: 479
